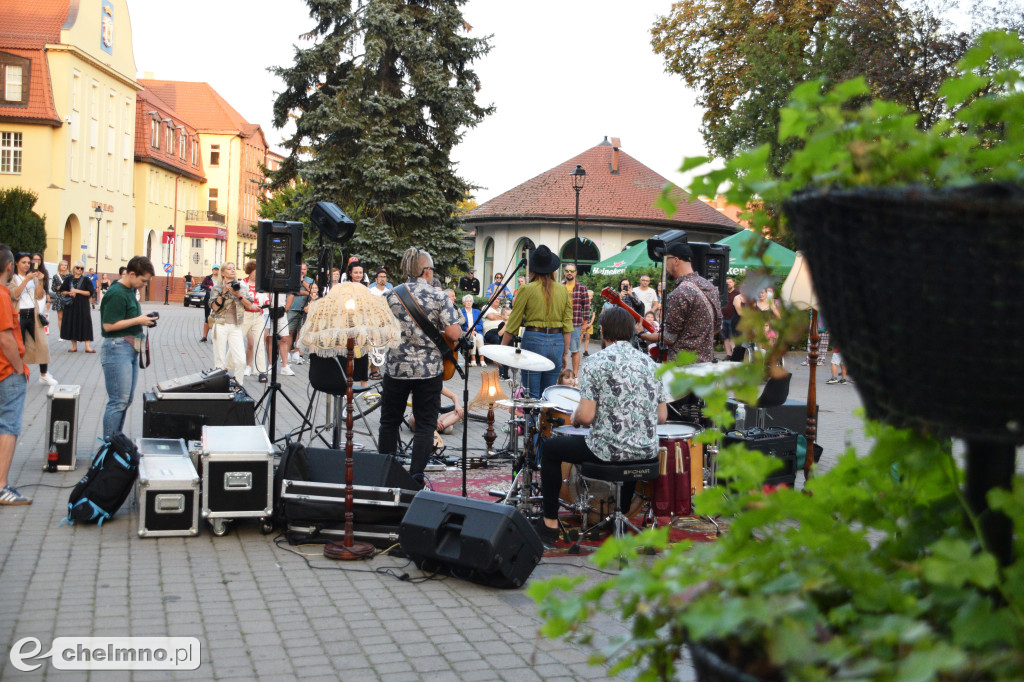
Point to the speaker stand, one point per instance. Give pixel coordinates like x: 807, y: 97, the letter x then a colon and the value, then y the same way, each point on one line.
x: 274, y: 386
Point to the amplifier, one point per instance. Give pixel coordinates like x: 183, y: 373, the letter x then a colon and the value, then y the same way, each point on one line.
x: 207, y: 381
x: 186, y: 418
x: 775, y: 442
x: 62, y: 420
x: 792, y: 415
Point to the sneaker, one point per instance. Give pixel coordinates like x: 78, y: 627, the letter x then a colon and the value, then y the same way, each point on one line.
x: 10, y: 495
x: 833, y: 380
x: 549, y: 536
x: 287, y: 371
x: 842, y: 381
x: 202, y: 340
x: 423, y: 481
x: 296, y: 359
x: 586, y: 354
x: 473, y: 363
x: 803, y: 364
x: 483, y: 364
x: 247, y: 372
x: 47, y: 379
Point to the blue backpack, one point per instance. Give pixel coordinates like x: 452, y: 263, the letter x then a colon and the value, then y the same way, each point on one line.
x: 107, y: 484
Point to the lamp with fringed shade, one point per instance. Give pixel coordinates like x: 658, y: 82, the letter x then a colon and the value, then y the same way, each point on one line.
x: 798, y: 291
x: 490, y: 393
x: 348, y: 321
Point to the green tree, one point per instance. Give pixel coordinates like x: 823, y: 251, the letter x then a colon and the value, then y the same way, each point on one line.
x: 379, y: 101
x: 744, y: 57
x: 21, y: 228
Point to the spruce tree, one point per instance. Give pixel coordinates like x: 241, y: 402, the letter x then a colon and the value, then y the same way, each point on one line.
x: 379, y: 101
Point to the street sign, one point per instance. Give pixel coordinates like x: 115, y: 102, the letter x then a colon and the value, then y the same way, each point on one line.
x: 85, y: 247
x: 168, y: 268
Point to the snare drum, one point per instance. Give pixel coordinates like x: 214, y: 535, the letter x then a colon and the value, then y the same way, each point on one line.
x: 597, y: 497
x: 566, y: 398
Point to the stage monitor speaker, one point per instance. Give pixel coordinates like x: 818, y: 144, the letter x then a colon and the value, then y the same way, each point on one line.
x: 186, y: 418
x: 657, y: 246
x: 332, y: 222
x: 324, y: 465
x: 483, y: 542
x: 711, y: 261
x: 279, y: 255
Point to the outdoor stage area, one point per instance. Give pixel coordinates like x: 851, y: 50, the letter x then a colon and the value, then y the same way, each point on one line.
x: 259, y: 610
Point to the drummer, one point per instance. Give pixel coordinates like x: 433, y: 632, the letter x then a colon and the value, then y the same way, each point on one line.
x: 621, y: 401
x: 544, y: 312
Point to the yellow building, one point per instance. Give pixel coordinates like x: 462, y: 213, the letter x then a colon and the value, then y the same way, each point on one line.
x: 232, y: 152
x: 168, y: 189
x: 67, y: 123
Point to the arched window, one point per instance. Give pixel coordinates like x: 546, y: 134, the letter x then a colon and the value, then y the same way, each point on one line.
x: 523, y: 247
x: 633, y: 243
x: 588, y: 254
x: 488, y: 271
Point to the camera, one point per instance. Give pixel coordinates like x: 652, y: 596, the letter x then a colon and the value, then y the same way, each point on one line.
x: 33, y: 267
x: 155, y: 315
x: 237, y: 286
x: 624, y: 287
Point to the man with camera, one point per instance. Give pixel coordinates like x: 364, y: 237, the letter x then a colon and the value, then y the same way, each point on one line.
x: 122, y: 322
x: 230, y: 301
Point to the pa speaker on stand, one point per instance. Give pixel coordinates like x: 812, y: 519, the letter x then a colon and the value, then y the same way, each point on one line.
x: 279, y: 248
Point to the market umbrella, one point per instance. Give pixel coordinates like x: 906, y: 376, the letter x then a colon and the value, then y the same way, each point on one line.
x: 744, y: 247
x: 633, y: 257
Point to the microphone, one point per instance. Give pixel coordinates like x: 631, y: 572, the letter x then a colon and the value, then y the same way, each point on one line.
x: 522, y: 264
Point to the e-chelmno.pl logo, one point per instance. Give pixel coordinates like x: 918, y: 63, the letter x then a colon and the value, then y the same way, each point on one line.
x: 108, y: 653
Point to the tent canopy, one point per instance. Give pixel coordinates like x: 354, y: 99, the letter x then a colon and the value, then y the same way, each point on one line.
x: 778, y: 258
x: 633, y: 257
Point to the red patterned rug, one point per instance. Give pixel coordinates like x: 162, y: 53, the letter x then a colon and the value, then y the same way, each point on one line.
x: 498, y: 477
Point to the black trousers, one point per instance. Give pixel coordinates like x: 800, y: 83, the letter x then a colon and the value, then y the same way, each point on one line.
x: 574, y: 450
x: 426, y: 403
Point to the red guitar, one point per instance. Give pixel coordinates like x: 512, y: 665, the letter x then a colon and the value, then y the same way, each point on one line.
x: 613, y: 297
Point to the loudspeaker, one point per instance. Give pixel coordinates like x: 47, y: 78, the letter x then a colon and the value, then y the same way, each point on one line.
x: 711, y: 261
x: 483, y: 542
x: 324, y: 465
x: 186, y: 418
x: 657, y: 246
x: 279, y: 255
x: 332, y: 222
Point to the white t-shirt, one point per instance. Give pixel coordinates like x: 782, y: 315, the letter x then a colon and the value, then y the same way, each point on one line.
x: 27, y: 300
x: 378, y: 292
x: 646, y: 297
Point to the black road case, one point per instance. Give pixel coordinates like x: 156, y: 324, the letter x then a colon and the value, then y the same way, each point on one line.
x: 62, y: 418
x: 238, y: 475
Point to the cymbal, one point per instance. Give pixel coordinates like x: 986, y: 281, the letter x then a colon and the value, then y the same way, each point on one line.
x: 517, y: 358
x: 704, y: 369
x: 526, y: 403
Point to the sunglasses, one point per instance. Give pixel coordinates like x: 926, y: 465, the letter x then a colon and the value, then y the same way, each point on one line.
x: 77, y: 267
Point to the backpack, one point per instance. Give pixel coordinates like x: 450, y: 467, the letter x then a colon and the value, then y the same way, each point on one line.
x: 106, y: 485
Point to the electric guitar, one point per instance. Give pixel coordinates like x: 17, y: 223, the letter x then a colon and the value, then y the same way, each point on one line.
x: 613, y: 297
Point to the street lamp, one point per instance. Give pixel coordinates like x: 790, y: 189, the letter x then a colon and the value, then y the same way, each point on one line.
x: 579, y: 176
x: 99, y: 222
x: 170, y: 259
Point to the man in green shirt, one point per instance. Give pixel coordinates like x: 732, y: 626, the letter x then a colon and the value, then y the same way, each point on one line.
x: 122, y: 320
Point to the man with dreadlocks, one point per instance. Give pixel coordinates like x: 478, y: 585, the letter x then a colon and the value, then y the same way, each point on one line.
x: 416, y: 366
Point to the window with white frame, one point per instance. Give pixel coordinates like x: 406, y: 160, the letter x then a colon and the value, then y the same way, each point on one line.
x: 181, y: 143
x: 169, y: 134
x: 10, y: 153
x: 13, y: 80
x: 214, y: 196
x: 214, y: 154
x: 195, y: 151
x: 154, y: 133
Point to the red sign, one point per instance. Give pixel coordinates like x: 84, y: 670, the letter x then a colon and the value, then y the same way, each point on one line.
x: 167, y: 238
x: 206, y: 231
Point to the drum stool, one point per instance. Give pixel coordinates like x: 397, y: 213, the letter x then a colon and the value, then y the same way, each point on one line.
x: 617, y: 473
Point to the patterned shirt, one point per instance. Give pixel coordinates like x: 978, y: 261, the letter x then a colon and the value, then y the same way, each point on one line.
x: 693, y: 313
x: 580, y: 304
x: 621, y: 380
x: 417, y: 357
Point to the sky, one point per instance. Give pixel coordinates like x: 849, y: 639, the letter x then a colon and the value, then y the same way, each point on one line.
x: 562, y: 76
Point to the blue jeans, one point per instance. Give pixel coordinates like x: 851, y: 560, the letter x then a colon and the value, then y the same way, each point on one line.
x: 12, y: 404
x: 551, y: 346
x: 120, y: 365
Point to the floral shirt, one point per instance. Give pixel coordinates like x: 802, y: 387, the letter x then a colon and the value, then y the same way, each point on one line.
x: 417, y: 357
x: 621, y: 380
x: 693, y: 313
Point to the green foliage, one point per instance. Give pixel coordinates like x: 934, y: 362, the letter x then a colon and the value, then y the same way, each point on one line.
x: 21, y: 228
x: 379, y: 101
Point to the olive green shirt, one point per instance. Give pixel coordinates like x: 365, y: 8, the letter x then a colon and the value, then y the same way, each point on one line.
x: 532, y: 310
x: 119, y: 304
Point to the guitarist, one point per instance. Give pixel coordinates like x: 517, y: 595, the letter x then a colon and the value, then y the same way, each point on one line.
x: 693, y: 312
x: 416, y: 365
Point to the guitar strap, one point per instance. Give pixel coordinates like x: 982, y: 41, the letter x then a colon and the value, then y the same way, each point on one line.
x: 412, y: 307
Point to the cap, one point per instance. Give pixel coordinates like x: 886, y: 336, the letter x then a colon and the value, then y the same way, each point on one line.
x: 681, y: 251
x: 215, y: 267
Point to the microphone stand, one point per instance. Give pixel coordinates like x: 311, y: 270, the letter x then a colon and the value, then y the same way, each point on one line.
x: 466, y: 346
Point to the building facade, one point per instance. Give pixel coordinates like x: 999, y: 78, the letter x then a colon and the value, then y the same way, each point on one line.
x: 67, y: 122
x: 617, y: 209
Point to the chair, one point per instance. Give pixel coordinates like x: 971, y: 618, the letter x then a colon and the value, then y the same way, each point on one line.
x: 774, y: 393
x: 327, y: 375
x: 616, y: 474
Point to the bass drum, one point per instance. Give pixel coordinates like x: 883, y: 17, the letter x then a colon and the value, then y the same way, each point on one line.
x: 566, y: 398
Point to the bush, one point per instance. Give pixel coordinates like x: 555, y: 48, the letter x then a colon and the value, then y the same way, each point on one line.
x: 21, y: 228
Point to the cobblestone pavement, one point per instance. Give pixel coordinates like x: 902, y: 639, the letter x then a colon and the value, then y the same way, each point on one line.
x: 259, y: 611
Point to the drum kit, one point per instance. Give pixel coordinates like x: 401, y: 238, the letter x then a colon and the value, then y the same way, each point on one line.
x: 551, y: 416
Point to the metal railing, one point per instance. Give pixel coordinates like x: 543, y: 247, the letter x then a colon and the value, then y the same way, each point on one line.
x: 206, y: 216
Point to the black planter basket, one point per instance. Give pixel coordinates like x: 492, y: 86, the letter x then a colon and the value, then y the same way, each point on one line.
x: 923, y: 292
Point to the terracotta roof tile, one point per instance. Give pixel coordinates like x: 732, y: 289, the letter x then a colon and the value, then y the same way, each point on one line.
x: 630, y: 194
x: 30, y: 25
x: 148, y: 101
x: 40, y: 108
x: 200, y: 105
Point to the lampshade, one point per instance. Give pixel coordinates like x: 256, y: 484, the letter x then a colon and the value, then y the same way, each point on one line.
x: 348, y: 311
x: 798, y: 289
x: 490, y: 390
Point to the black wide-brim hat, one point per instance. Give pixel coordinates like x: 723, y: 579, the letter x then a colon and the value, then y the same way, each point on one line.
x: 543, y: 261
